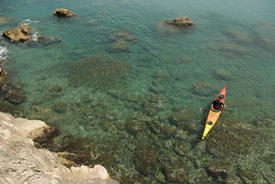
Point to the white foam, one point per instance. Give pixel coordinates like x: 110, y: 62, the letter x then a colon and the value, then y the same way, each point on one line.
x: 35, y: 36
x: 30, y: 21
x: 3, y: 53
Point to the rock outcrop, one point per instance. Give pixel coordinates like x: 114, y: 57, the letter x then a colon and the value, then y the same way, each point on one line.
x: 182, y: 22
x: 62, y: 12
x: 178, y: 25
x: 21, y: 162
x: 20, y: 34
x: 24, y: 33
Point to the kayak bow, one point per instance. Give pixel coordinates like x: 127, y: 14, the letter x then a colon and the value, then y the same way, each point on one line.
x: 213, y: 115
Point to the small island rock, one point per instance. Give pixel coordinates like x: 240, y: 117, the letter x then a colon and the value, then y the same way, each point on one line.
x: 182, y: 22
x: 20, y: 34
x: 62, y: 12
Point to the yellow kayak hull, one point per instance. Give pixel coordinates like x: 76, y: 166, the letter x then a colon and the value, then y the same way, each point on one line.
x: 212, y: 118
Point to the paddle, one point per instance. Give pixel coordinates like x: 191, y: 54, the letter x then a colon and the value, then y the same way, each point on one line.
x: 207, y: 109
x: 204, y: 109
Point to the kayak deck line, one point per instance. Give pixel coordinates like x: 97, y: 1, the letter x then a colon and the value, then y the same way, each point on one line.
x: 213, y: 115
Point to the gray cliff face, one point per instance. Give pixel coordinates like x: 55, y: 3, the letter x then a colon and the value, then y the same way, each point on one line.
x: 22, y: 163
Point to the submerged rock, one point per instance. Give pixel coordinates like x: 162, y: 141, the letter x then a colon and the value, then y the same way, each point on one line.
x: 67, y: 143
x: 267, y: 43
x: 265, y: 30
x: 162, y: 26
x: 218, y: 169
x: 156, y: 86
x: 152, y: 104
x: 203, y: 88
x: 99, y: 73
x: 181, y: 147
x: 20, y: 34
x: 248, y: 176
x: 76, y: 151
x: 100, y: 110
x: 121, y: 35
x: 135, y: 126
x: 62, y: 12
x: 120, y: 41
x: 3, y: 79
x: 222, y: 74
x: 67, y: 163
x: 86, y: 98
x: 56, y: 90
x: 228, y: 139
x: 145, y: 159
x: 15, y: 96
x: 183, y: 115
x: 233, y: 48
x: 183, y: 119
x: 60, y: 107
x: 119, y: 45
x: 73, y: 159
x: 13, y: 109
x: 136, y: 123
x: 227, y: 49
x: 3, y: 20
x: 176, y: 171
x: 238, y: 36
x: 43, y: 136
x: 265, y: 35
x: 37, y: 101
x: 162, y: 129
x: 269, y: 158
x: 182, y: 22
x: 40, y: 113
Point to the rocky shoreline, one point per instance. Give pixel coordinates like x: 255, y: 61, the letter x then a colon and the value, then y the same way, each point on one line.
x: 22, y: 162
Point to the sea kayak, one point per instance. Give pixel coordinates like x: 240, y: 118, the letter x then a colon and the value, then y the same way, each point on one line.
x: 213, y: 115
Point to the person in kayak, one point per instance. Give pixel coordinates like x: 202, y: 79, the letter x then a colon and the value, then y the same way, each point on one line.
x: 218, y: 104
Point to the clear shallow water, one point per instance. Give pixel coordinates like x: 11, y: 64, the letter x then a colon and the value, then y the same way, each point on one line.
x: 162, y: 61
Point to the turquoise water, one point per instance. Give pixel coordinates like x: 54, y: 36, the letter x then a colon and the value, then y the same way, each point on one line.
x: 165, y: 70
